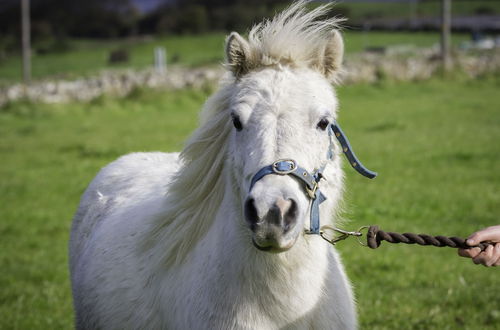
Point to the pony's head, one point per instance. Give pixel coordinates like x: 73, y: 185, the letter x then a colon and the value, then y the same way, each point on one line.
x: 276, y: 103
x: 280, y: 107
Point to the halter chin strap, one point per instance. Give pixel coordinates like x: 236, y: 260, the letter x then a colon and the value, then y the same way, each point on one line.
x: 311, y: 180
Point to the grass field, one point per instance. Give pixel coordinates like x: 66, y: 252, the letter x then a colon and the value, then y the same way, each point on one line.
x: 435, y: 145
x: 357, y: 10
x: 89, y: 56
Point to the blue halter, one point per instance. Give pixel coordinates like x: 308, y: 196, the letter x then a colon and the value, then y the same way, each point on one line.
x: 311, y: 181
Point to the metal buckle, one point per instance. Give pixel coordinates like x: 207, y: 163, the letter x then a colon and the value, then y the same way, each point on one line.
x: 284, y: 166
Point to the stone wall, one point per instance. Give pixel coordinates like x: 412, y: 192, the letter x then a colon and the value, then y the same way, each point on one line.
x: 405, y: 64
x: 118, y: 83
x: 398, y: 63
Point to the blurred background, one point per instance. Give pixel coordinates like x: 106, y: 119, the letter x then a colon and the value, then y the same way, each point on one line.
x: 73, y: 38
x: 83, y: 82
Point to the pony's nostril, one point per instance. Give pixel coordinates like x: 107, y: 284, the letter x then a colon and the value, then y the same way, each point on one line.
x: 290, y: 217
x: 251, y: 212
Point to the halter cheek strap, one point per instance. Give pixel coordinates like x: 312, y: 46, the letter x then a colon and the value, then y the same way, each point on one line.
x: 311, y: 181
x: 349, y: 153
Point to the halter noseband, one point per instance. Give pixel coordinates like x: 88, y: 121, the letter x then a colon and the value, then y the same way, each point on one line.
x: 311, y: 181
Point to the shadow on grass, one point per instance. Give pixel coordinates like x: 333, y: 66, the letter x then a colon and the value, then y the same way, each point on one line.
x: 83, y: 151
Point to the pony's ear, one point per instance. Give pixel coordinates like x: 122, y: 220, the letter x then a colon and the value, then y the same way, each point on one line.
x: 331, y: 55
x: 237, y: 53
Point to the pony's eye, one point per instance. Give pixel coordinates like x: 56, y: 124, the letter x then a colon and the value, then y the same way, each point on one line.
x: 236, y: 122
x: 323, y: 124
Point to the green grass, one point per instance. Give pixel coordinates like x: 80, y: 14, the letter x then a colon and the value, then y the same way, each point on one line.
x: 89, y: 56
x: 360, y: 10
x: 356, y: 41
x: 436, y: 148
x: 434, y: 144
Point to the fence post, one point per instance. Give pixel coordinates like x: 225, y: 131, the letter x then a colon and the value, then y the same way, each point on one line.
x: 413, y: 13
x: 445, y: 33
x: 26, y: 42
x: 160, y: 60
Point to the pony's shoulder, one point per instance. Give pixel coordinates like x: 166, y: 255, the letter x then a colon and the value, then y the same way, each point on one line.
x: 138, y: 166
x: 141, y: 161
x: 121, y: 186
x: 134, y: 174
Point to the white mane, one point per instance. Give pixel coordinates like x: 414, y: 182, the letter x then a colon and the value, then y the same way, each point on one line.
x: 197, y: 189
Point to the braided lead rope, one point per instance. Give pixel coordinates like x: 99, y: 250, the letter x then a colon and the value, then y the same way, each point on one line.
x: 375, y: 236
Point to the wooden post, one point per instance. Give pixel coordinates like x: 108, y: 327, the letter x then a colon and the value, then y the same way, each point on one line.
x: 445, y: 33
x: 26, y: 42
x: 413, y: 14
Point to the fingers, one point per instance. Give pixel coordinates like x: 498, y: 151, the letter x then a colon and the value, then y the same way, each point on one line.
x: 484, y: 256
x: 489, y: 257
x: 488, y: 234
x: 469, y: 253
x: 496, y: 253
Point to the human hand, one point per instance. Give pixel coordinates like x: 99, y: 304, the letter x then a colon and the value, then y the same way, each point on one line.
x: 488, y: 257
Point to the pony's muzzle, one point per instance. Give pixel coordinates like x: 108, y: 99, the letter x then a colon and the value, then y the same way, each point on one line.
x: 273, y: 225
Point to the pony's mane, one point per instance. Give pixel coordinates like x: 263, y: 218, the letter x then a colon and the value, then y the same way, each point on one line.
x: 195, y: 193
x: 295, y: 36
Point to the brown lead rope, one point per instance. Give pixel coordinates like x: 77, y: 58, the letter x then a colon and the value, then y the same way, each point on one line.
x: 375, y: 236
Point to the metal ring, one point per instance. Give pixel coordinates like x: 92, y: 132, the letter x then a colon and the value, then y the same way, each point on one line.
x: 358, y: 237
x: 283, y: 172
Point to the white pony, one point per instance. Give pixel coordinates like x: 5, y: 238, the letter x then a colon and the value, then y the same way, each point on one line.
x: 175, y: 241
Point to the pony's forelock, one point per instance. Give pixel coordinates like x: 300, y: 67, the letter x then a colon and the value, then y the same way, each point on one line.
x: 296, y: 36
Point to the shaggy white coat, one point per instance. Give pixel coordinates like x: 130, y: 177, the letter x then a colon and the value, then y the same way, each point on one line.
x: 159, y: 240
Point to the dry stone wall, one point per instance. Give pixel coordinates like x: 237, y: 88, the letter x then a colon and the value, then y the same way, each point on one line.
x: 401, y: 64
